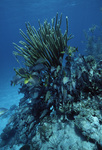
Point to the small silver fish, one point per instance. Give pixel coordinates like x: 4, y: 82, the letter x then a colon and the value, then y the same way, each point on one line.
x: 38, y: 67
x: 3, y: 111
x: 17, y: 80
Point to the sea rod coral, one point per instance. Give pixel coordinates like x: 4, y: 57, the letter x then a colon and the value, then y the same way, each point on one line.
x: 47, y: 44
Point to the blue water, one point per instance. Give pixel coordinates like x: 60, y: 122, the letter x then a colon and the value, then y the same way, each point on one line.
x: 13, y: 15
x: 82, y: 14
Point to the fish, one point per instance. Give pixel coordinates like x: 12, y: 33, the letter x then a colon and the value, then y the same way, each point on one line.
x: 32, y: 80
x: 40, y: 61
x: 44, y: 113
x: 25, y: 147
x: 69, y: 50
x: 38, y: 67
x: 13, y: 107
x: 65, y: 80
x: 3, y: 111
x: 17, y: 80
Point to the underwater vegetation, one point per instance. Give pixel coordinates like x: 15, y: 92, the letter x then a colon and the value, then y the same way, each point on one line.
x: 46, y: 45
x: 58, y: 98
x: 94, y: 42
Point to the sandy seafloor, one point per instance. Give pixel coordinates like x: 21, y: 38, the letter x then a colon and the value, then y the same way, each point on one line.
x: 8, y: 97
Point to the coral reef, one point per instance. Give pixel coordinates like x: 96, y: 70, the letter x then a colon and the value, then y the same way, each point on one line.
x: 94, y: 42
x: 62, y: 104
